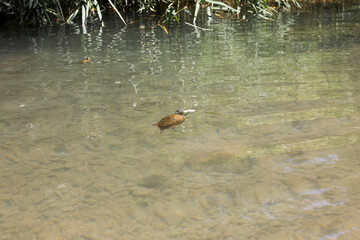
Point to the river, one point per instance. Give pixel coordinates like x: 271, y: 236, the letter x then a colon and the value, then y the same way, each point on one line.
x: 271, y: 151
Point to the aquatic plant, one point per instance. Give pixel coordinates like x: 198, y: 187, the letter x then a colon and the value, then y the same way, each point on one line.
x: 238, y: 8
x: 27, y: 11
x: 65, y: 11
x: 53, y: 11
x: 89, y: 7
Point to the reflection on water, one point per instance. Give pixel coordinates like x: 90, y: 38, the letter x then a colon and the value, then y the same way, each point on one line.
x: 270, y: 153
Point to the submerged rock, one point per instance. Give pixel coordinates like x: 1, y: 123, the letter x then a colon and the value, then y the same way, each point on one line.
x: 152, y: 181
x: 221, y: 161
x: 60, y: 148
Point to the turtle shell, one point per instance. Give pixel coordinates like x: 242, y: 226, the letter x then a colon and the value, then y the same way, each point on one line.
x: 171, y: 121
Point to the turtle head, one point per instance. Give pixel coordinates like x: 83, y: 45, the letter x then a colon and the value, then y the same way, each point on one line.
x: 178, y: 112
x: 184, y: 113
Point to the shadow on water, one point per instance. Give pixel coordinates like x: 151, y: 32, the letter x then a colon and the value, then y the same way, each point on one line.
x: 271, y: 151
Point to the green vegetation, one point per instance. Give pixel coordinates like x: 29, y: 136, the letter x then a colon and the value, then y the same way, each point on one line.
x: 65, y: 11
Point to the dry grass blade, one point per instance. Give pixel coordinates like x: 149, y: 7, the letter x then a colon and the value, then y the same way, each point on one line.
x: 222, y: 5
x: 196, y: 10
x: 205, y: 29
x: 72, y: 16
x: 60, y: 11
x: 83, y: 15
x: 87, y: 9
x: 113, y: 6
x: 98, y: 10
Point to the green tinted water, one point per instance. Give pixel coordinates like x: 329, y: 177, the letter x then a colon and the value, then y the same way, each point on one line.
x: 272, y: 151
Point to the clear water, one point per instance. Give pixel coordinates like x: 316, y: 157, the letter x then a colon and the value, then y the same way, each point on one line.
x: 272, y: 151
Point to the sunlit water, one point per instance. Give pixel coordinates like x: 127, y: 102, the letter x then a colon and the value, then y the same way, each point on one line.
x: 272, y: 151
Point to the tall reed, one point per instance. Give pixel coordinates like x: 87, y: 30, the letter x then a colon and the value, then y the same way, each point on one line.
x: 65, y: 11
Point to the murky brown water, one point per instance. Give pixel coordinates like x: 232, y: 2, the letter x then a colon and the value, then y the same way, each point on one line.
x: 272, y: 151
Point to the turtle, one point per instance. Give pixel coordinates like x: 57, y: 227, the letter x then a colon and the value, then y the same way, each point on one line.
x: 86, y: 60
x: 171, y: 121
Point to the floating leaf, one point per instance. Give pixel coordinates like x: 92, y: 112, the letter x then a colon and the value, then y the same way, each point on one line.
x: 164, y: 28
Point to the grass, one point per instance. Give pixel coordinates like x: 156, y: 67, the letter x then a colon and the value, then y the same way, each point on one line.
x: 48, y: 12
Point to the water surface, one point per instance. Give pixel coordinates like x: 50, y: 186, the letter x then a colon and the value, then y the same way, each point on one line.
x: 272, y: 151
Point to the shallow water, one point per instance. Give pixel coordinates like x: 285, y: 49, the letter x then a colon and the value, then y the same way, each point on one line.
x: 272, y: 151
